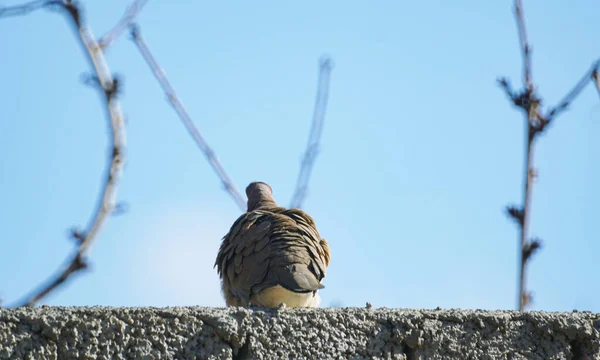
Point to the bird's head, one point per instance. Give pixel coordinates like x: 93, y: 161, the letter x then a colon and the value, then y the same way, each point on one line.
x: 260, y: 194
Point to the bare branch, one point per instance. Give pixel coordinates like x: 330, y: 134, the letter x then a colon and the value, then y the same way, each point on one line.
x: 525, y: 47
x: 535, y: 123
x: 115, y: 161
x: 529, y: 103
x: 24, y: 9
x: 312, y: 147
x: 571, y: 95
x: 185, y: 118
x: 130, y: 14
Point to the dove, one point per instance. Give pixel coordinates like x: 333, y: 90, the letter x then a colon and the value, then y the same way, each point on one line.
x: 272, y: 256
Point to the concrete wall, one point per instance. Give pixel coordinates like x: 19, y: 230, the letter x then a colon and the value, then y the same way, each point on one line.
x: 217, y: 333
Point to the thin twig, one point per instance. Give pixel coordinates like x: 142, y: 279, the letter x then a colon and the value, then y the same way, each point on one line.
x: 115, y: 161
x: 185, y: 118
x: 525, y: 47
x: 312, y: 147
x: 575, y: 91
x: 130, y: 14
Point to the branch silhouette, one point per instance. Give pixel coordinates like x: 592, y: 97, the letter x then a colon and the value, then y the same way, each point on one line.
x: 109, y: 87
x: 314, y: 138
x: 536, y: 122
x: 172, y: 97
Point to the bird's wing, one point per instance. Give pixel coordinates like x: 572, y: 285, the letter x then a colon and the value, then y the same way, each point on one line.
x: 314, y: 243
x: 243, y: 258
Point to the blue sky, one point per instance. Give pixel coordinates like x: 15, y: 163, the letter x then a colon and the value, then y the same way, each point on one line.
x: 421, y: 150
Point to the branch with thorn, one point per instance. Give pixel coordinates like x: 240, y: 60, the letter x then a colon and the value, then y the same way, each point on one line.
x: 109, y: 87
x: 314, y: 138
x: 185, y: 118
x: 536, y: 122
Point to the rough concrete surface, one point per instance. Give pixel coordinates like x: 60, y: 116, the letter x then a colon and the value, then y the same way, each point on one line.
x: 352, y: 333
